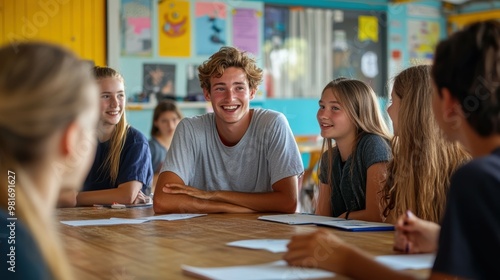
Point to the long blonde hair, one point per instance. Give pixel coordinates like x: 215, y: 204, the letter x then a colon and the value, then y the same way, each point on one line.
x: 43, y: 89
x: 360, y: 103
x: 117, y: 141
x: 423, y: 161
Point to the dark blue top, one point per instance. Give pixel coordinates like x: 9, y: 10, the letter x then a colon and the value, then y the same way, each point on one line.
x: 135, y: 164
x: 469, y: 242
x: 25, y: 257
x: 158, y: 154
x: 349, y: 178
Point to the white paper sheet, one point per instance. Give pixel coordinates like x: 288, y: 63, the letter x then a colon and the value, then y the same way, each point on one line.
x: 298, y: 219
x: 121, y: 221
x: 273, y: 270
x: 272, y: 245
x: 103, y: 222
x: 410, y: 261
x: 172, y: 217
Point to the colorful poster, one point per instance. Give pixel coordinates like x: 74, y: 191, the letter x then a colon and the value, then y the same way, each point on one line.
x: 423, y: 36
x: 136, y: 27
x: 367, y: 28
x: 159, y: 81
x: 174, y: 30
x: 210, y: 25
x: 246, y: 30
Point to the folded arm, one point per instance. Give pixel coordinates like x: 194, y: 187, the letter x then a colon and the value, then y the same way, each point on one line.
x: 171, y: 190
x: 125, y: 193
x: 182, y: 203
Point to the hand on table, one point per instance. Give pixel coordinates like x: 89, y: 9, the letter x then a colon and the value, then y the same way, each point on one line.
x: 320, y: 249
x: 142, y: 198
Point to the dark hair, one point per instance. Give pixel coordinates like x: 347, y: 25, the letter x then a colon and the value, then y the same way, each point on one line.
x: 468, y: 65
x: 164, y: 106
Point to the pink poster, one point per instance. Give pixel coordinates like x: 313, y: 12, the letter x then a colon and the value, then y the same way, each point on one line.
x: 246, y: 30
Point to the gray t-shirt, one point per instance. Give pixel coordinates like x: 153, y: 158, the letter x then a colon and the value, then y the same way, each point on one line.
x: 266, y: 154
x: 349, y: 178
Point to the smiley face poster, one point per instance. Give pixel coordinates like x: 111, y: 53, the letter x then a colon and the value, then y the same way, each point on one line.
x: 174, y: 28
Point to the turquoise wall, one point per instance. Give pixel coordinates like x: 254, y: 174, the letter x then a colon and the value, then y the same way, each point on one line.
x: 299, y: 112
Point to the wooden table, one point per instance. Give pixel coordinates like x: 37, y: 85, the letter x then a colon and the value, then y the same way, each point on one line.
x: 157, y: 249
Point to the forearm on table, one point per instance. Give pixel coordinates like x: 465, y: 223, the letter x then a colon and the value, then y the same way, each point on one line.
x: 260, y: 202
x: 109, y: 196
x: 180, y: 203
x: 370, y: 215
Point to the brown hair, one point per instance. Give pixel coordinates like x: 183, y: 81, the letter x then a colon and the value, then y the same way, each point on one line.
x: 164, y: 106
x: 229, y: 57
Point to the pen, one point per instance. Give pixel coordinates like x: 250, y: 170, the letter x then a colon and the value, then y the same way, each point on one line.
x: 407, y: 247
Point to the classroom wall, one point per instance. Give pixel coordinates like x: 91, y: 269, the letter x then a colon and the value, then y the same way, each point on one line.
x: 79, y: 25
x: 414, y: 29
x: 131, y: 66
x: 299, y: 112
x: 405, y: 47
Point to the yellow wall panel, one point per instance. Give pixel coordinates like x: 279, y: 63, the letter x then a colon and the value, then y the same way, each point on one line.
x: 66, y: 23
x: 88, y: 29
x: 77, y: 27
x: 77, y: 24
x: 21, y: 26
x: 100, y: 32
x: 6, y: 19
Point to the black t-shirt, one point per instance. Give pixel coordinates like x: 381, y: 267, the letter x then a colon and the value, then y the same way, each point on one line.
x: 19, y: 252
x: 469, y: 243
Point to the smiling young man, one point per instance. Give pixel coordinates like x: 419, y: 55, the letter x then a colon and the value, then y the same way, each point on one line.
x: 236, y: 159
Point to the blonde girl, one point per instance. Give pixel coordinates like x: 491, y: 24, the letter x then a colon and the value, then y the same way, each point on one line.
x: 122, y: 171
x: 422, y: 160
x: 351, y: 170
x: 48, y: 116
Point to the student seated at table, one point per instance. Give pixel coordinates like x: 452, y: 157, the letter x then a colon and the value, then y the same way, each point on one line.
x: 466, y: 105
x: 235, y: 159
x: 422, y: 161
x: 351, y: 170
x: 166, y: 117
x: 48, y: 116
x: 122, y: 170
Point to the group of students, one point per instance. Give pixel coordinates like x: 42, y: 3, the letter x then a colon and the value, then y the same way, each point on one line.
x: 241, y: 160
